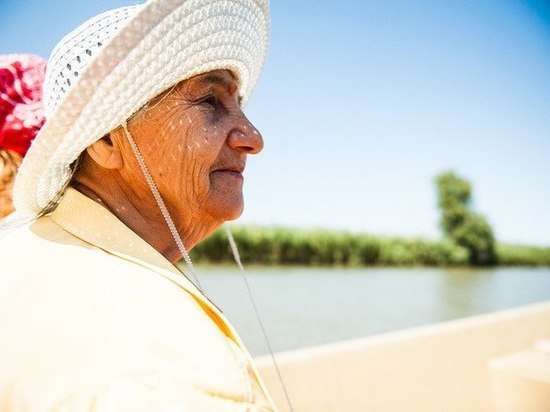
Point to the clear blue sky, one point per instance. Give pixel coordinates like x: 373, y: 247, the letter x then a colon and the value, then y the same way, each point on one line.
x: 363, y: 102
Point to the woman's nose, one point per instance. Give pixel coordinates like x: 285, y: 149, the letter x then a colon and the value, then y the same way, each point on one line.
x: 245, y: 137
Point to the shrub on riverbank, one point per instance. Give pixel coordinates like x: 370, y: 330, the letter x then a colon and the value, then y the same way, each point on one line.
x: 282, y: 246
x: 460, y: 223
x: 515, y: 255
x: 321, y: 247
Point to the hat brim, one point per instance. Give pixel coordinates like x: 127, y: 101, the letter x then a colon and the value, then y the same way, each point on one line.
x: 165, y: 42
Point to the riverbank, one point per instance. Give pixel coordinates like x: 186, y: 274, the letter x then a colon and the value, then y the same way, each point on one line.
x: 285, y: 246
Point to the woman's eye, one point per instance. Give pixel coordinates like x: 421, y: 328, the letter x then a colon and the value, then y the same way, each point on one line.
x: 210, y: 100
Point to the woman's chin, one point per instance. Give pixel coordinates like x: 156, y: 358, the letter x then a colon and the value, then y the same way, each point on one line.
x: 228, y: 209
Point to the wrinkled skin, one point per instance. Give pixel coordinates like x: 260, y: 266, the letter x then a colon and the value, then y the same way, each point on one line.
x: 195, y: 140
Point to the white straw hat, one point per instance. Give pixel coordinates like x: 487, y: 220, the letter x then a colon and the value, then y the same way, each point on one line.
x: 109, y: 67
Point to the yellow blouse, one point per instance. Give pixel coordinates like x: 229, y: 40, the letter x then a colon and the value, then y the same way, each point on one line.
x: 92, y: 318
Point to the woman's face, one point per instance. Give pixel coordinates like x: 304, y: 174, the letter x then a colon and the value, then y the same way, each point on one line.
x: 195, y: 140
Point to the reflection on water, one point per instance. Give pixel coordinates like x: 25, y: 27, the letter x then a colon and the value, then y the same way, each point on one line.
x: 309, y: 306
x: 464, y: 293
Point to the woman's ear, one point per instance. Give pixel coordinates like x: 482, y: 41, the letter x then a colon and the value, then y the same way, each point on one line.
x: 106, y: 153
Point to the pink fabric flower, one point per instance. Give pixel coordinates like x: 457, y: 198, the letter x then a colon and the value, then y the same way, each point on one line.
x: 21, y: 109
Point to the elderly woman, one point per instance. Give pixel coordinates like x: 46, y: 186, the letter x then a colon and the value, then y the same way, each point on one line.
x: 141, y: 157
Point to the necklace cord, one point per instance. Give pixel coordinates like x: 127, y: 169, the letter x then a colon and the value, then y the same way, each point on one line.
x: 181, y: 248
x: 162, y: 207
x: 237, y: 257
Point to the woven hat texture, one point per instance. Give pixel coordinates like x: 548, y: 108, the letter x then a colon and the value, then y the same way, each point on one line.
x: 109, y: 67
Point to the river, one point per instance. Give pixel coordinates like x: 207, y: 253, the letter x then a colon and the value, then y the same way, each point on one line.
x: 310, y: 306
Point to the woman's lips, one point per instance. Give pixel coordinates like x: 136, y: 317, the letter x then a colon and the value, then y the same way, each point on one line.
x: 232, y: 172
x: 229, y: 173
x: 231, y: 169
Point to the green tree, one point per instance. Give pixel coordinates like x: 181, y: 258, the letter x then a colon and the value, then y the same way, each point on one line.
x: 460, y: 223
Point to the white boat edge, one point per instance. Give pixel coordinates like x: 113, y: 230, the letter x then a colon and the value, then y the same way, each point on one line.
x: 450, y: 366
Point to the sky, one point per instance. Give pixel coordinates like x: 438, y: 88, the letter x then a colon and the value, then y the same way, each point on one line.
x: 362, y: 103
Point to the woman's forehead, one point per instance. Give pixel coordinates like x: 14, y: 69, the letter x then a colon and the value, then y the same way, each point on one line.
x: 216, y: 78
x: 223, y: 77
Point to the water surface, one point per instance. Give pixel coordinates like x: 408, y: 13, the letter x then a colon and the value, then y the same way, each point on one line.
x: 309, y: 306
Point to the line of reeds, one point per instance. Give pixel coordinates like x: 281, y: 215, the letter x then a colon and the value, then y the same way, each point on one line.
x: 284, y: 246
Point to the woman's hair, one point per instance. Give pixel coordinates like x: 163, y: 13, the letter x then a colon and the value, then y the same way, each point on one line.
x: 9, y: 164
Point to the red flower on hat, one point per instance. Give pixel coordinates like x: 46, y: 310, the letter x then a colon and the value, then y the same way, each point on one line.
x: 21, y: 109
